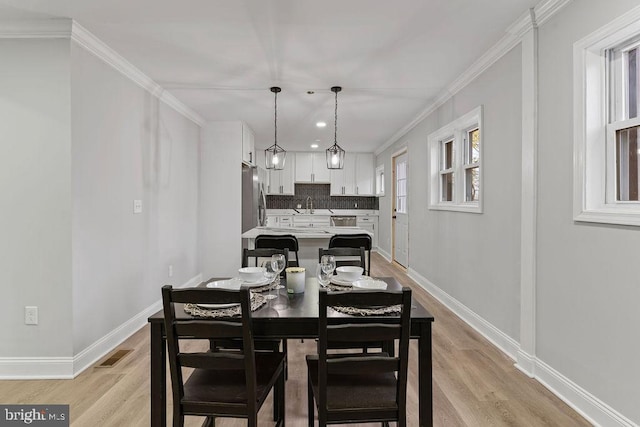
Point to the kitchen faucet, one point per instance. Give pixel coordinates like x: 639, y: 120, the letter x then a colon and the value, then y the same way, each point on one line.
x: 309, y: 205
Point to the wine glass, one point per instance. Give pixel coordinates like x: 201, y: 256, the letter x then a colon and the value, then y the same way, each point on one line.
x: 328, y: 263
x: 269, y: 273
x: 277, y: 263
x: 323, y: 276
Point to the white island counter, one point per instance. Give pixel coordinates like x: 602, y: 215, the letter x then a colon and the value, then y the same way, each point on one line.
x: 309, y: 240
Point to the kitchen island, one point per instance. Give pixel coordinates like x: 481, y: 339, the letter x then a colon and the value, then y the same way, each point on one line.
x: 309, y: 240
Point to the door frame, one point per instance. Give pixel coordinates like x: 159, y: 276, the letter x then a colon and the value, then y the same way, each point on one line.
x: 402, y: 151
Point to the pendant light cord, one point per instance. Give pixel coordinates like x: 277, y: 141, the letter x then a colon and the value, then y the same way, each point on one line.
x: 335, y: 121
x: 275, y: 119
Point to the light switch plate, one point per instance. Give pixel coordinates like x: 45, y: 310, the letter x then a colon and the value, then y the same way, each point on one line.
x: 31, y: 315
x: 137, y: 206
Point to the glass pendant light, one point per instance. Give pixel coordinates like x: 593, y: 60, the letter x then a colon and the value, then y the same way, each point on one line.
x: 275, y: 156
x: 335, y: 154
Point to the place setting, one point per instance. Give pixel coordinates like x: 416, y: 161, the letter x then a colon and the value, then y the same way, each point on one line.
x: 261, y: 280
x: 348, y: 278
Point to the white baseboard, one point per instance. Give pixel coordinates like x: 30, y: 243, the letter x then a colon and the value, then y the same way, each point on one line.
x: 17, y: 368
x: 384, y: 254
x: 36, y: 368
x: 586, y: 404
x: 508, y: 345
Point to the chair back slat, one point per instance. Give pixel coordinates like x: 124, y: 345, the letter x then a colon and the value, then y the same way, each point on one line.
x: 363, y: 298
x: 220, y: 361
x: 356, y: 333
x: 362, y: 365
x: 207, y: 329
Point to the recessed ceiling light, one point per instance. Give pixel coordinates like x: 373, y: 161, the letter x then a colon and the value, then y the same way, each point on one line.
x: 314, y: 145
x: 321, y: 124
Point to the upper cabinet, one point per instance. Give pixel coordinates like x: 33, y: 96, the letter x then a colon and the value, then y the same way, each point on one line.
x: 281, y: 180
x: 356, y: 178
x: 311, y: 167
x: 248, y: 145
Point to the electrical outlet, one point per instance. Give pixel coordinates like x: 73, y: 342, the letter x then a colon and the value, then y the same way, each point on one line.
x: 137, y: 206
x: 31, y: 315
x: 170, y: 270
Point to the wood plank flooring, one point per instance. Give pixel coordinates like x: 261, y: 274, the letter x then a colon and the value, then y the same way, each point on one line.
x: 474, y: 383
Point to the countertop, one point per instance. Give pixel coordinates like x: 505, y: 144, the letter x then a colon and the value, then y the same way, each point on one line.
x: 303, y: 232
x: 333, y: 212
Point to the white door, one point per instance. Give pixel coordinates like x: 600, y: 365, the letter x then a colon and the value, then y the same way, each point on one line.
x: 400, y: 218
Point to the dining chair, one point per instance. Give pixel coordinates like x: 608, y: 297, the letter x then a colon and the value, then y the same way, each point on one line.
x: 285, y: 241
x: 357, y: 387
x: 345, y: 256
x: 222, y: 384
x: 354, y: 241
x: 256, y: 254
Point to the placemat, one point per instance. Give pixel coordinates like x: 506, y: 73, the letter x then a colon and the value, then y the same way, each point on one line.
x: 369, y: 311
x: 257, y: 301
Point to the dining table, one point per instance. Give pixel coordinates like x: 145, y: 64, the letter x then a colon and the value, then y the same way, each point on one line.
x: 287, y: 316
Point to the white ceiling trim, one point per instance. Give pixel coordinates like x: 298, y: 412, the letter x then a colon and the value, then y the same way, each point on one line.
x: 40, y: 29
x: 92, y: 44
x: 541, y: 13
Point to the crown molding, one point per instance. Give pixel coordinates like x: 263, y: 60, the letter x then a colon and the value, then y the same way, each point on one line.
x: 97, y: 47
x: 513, y: 35
x: 37, y: 29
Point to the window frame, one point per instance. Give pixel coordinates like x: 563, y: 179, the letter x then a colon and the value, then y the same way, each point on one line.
x: 458, y: 133
x: 594, y: 198
x: 380, y: 180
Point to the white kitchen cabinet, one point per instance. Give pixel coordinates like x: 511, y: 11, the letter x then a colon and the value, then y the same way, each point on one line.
x: 281, y: 180
x: 364, y: 174
x: 311, y: 168
x: 248, y: 145
x: 369, y: 223
x: 356, y: 178
x: 279, y: 221
x: 311, y: 221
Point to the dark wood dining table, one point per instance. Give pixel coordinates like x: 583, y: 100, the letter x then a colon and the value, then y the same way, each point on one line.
x: 295, y: 316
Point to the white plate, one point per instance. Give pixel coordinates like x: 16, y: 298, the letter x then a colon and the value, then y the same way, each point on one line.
x: 337, y: 280
x: 233, y: 284
x: 261, y: 282
x: 370, y: 284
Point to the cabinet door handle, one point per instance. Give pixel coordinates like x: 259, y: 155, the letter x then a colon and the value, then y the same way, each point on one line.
x: 250, y: 157
x: 268, y: 188
x: 357, y: 190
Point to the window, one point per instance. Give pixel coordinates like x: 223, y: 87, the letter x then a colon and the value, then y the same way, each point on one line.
x: 401, y: 186
x: 380, y: 180
x: 606, y: 123
x: 455, y: 152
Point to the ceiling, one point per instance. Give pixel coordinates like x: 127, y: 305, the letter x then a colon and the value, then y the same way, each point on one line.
x: 219, y: 57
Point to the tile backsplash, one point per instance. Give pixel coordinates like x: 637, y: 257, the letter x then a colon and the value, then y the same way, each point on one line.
x: 322, y: 199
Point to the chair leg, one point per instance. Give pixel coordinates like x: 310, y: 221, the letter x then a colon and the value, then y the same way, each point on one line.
x: 310, y: 404
x: 209, y: 422
x: 281, y: 400
x: 286, y: 359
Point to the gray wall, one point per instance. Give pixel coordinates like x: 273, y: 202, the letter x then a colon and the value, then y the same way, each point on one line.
x: 127, y: 145
x: 35, y: 197
x: 588, y: 291
x: 475, y: 258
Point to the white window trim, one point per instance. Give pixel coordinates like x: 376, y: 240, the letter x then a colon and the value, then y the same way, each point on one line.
x: 590, y: 98
x: 380, y: 180
x: 456, y: 130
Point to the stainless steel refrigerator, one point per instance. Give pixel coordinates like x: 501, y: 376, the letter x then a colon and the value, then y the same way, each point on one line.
x: 253, y: 199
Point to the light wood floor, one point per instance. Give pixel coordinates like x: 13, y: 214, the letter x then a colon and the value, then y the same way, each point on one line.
x: 474, y: 384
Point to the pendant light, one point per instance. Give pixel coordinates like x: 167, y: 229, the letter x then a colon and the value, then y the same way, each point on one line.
x: 335, y: 154
x: 275, y: 156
